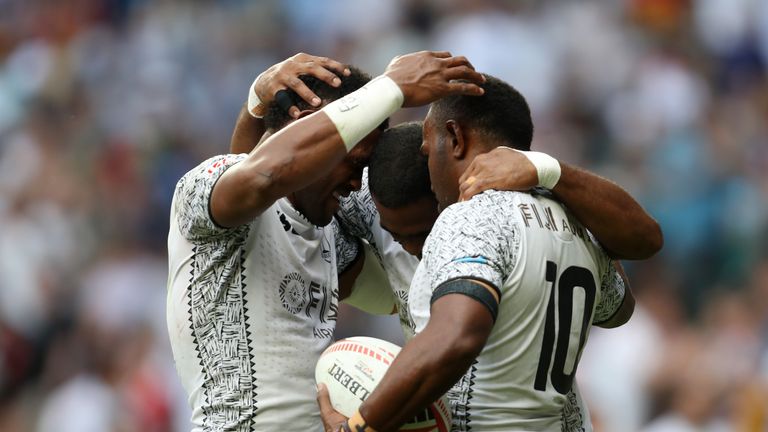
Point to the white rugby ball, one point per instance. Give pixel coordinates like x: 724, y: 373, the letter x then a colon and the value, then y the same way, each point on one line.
x: 351, y: 368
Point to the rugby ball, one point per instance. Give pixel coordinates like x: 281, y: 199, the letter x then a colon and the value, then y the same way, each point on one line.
x: 351, y: 368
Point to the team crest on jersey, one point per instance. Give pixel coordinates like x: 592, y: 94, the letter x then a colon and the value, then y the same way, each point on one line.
x: 293, y: 292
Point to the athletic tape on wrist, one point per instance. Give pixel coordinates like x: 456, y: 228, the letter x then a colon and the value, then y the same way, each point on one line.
x: 357, y: 423
x: 547, y: 167
x: 254, y: 103
x: 358, y: 113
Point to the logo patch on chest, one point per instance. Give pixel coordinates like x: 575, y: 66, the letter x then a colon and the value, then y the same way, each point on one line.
x: 293, y: 292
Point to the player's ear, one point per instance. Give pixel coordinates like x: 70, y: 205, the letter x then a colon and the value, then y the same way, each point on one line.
x: 456, y: 138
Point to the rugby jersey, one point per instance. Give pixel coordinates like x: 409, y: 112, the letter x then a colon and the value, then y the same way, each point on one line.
x: 250, y: 308
x: 555, y: 281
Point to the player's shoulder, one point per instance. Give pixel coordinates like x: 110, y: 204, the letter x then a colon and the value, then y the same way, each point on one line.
x: 489, y: 212
x: 211, y: 168
x: 488, y: 205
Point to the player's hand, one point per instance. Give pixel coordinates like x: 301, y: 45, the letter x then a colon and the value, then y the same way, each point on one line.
x: 426, y: 76
x: 285, y: 75
x: 502, y: 169
x: 332, y: 419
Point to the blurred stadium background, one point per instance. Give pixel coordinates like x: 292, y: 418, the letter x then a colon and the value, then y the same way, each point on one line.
x: 104, y: 104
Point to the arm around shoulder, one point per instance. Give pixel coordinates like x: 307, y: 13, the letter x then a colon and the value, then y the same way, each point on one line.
x: 616, y: 219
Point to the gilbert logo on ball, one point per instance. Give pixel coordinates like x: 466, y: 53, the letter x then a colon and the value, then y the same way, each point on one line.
x: 351, y: 368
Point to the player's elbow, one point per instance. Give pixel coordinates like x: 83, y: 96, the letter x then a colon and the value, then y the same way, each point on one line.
x: 470, y: 347
x: 242, y: 193
x: 643, y: 240
x: 623, y: 315
x: 466, y: 346
x: 654, y: 239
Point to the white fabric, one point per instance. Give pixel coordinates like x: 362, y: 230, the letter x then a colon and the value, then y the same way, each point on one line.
x: 249, y: 309
x: 358, y: 113
x: 254, y: 103
x: 372, y: 292
x: 507, y: 239
x: 547, y: 168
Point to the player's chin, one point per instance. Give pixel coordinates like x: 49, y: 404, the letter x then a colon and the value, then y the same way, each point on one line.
x: 332, y: 206
x: 330, y: 209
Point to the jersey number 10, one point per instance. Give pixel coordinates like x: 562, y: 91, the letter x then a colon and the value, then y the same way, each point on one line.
x: 563, y: 290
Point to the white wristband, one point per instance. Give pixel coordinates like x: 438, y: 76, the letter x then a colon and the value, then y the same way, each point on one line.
x: 254, y: 103
x: 358, y: 113
x: 547, y: 167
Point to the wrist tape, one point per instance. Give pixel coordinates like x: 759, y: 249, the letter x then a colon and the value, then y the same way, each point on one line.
x: 356, y: 423
x: 547, y: 167
x: 254, y: 103
x: 358, y: 113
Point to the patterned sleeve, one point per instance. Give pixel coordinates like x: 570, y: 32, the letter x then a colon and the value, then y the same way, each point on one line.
x: 192, y: 198
x: 347, y: 247
x: 611, y: 295
x: 471, y: 240
x: 357, y: 212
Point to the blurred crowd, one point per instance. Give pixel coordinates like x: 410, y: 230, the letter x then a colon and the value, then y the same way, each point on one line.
x: 104, y: 104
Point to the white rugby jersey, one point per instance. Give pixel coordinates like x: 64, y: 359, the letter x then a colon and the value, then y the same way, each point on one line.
x: 360, y: 218
x: 250, y: 309
x: 555, y: 281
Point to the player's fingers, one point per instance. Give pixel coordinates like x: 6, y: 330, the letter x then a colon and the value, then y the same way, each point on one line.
x: 333, y: 65
x: 441, y: 54
x: 462, y: 88
x: 320, y: 72
x: 464, y: 73
x: 469, y: 172
x: 325, y: 62
x: 469, y: 191
x: 284, y: 100
x: 324, y: 399
x: 301, y: 89
x: 458, y: 61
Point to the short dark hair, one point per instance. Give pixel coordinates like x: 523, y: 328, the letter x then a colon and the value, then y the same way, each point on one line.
x: 276, y: 117
x: 501, y: 112
x: 397, y: 173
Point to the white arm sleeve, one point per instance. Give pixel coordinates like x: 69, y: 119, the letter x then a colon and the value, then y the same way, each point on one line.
x: 371, y: 292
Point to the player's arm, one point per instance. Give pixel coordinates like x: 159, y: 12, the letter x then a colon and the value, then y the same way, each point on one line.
x: 617, y: 220
x: 462, y: 315
x: 248, y: 132
x: 369, y: 290
x: 616, y: 284
x: 307, y: 149
x: 461, y: 319
x: 250, y: 127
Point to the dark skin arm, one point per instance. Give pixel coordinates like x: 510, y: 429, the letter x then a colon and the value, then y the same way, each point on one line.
x: 309, y: 148
x: 457, y: 331
x: 618, y: 222
x: 248, y: 132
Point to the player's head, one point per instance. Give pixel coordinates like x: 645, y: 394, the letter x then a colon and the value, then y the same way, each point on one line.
x: 399, y: 180
x: 458, y: 128
x: 277, y: 117
x: 320, y: 200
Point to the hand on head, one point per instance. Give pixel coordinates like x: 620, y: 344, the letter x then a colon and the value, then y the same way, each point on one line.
x: 502, y: 168
x: 285, y: 76
x: 426, y: 76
